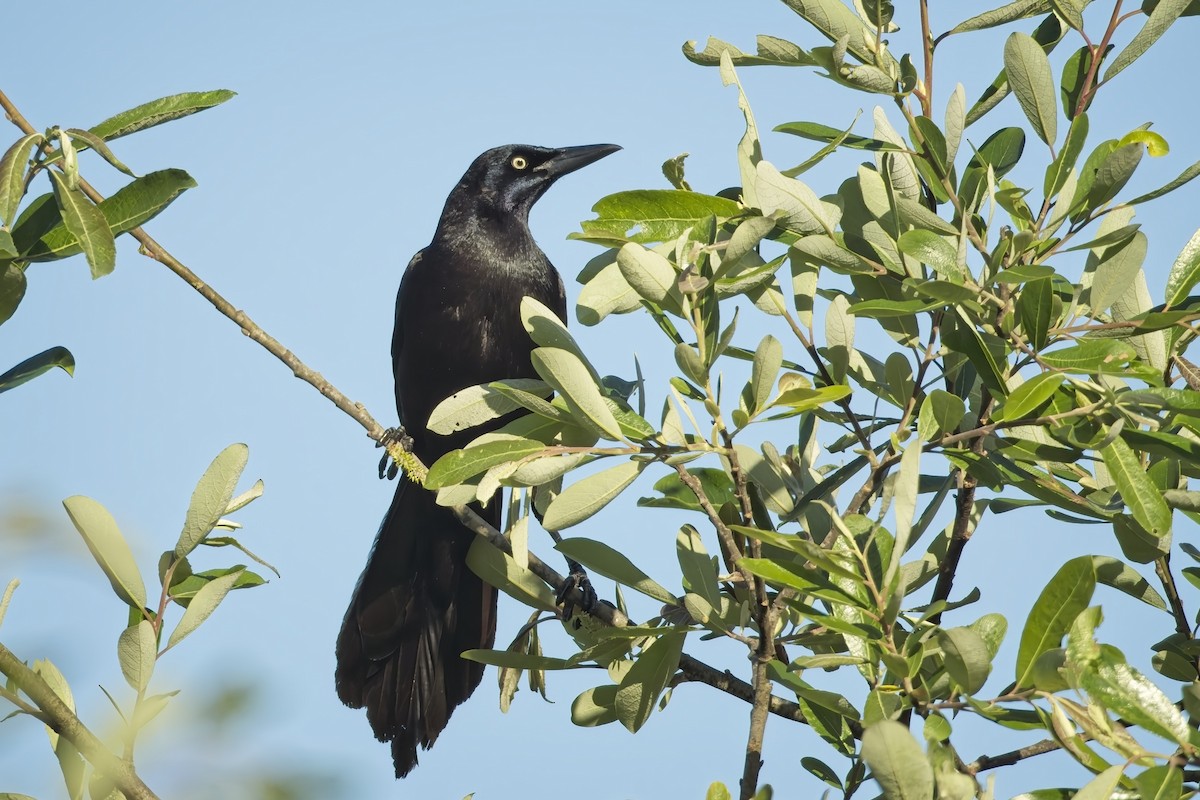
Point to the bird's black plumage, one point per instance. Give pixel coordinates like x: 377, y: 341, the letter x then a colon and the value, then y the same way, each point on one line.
x: 417, y: 606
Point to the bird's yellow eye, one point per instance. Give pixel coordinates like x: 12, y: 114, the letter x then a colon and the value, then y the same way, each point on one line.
x: 519, y: 162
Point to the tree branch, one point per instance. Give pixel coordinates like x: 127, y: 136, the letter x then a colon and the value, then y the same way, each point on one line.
x: 62, y: 720
x: 1012, y: 757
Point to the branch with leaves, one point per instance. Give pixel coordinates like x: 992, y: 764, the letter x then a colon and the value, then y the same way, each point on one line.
x: 1001, y: 376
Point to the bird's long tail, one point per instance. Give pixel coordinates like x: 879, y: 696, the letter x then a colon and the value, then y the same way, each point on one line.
x: 416, y: 608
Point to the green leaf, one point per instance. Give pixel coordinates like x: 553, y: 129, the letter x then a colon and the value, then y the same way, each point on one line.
x: 610, y: 563
x: 547, y: 330
x: 458, y: 465
x: 967, y: 658
x: 795, y: 205
x: 12, y: 289
x: 641, y: 686
x: 1184, y: 177
x: 905, y: 491
x: 1009, y: 12
x: 13, y: 166
x: 960, y: 335
x: 498, y: 569
x: 1001, y: 152
x: 156, y: 112
x: 897, y: 762
x: 572, y: 379
x: 1119, y: 575
x: 93, y: 141
x: 941, y: 413
x: 136, y: 651
x: 1161, y: 18
x: 696, y: 565
x: 595, y: 707
x: 1064, y: 162
x: 648, y: 273
x: 823, y: 133
x: 1035, y: 311
x: 1163, y: 782
x: 768, y: 359
x: 1096, y: 356
x: 771, y: 51
x: 715, y: 483
x: 132, y: 205
x: 203, y: 605
x: 211, y: 497
x: 651, y: 215
x: 1065, y: 597
x: 837, y: 22
x: 1137, y: 488
x: 476, y: 405
x: 1114, y: 171
x: 1109, y: 680
x: 585, y: 497
x: 512, y: 660
x: 1100, y: 787
x: 87, y: 224
x: 932, y: 249
x: 1185, y: 273
x: 106, y: 544
x: 607, y: 293
x: 1115, y: 272
x: 1029, y: 397
x: 1032, y: 81
x: 34, y: 366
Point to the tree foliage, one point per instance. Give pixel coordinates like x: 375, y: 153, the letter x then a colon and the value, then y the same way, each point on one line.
x: 834, y: 483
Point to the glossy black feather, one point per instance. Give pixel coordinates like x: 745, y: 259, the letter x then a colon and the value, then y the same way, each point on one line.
x: 417, y: 605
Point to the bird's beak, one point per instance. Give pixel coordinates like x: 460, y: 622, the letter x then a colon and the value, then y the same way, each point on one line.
x: 569, y: 159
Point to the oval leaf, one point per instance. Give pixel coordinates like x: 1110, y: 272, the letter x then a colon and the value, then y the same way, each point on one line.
x: 203, y: 605
x: 897, y: 762
x: 136, y: 650
x: 211, y: 497
x: 108, y: 547
x: 584, y: 498
x: 1031, y: 79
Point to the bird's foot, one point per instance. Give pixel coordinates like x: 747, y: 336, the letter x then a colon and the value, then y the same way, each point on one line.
x: 388, y: 468
x: 577, y: 578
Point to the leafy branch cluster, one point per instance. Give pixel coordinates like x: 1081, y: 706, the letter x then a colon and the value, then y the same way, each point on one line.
x: 1027, y: 388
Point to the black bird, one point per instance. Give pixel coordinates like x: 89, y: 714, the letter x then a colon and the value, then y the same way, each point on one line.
x: 417, y: 605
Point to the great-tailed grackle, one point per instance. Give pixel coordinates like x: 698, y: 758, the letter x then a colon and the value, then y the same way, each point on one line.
x: 417, y: 606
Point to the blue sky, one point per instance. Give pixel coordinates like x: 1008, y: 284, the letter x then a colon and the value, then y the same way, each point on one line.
x: 316, y: 184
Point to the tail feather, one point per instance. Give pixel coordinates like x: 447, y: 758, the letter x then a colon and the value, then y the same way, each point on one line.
x: 416, y: 608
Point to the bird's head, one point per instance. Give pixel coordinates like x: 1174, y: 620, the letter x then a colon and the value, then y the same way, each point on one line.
x: 510, y: 179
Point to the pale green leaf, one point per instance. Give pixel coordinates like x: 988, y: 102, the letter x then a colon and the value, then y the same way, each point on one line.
x: 1141, y: 496
x: 585, y: 497
x: 136, y: 651
x: 476, y: 405
x: 1032, y: 81
x: 1161, y: 18
x: 604, y: 560
x: 203, y: 605
x: 108, y: 547
x: 211, y: 497
x: 641, y: 686
x: 897, y: 762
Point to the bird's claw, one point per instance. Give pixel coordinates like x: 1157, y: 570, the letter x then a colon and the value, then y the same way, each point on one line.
x: 577, y: 578
x: 387, y: 467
